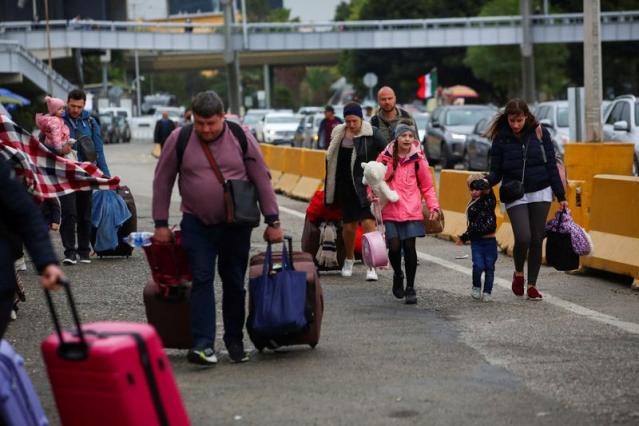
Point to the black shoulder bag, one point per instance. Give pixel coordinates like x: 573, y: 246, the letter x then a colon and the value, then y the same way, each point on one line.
x: 240, y: 196
x: 513, y: 190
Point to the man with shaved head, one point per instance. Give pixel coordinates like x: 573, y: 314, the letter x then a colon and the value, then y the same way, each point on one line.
x: 389, y: 114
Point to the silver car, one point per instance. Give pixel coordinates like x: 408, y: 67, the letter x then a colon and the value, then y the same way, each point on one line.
x: 621, y: 124
x: 554, y: 116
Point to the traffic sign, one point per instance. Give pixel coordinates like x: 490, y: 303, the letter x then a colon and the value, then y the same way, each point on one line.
x: 370, y: 79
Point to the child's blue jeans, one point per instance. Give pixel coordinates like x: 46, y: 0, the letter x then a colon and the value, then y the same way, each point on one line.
x: 484, y: 251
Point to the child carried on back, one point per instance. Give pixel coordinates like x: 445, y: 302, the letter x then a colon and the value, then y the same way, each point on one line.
x: 482, y: 224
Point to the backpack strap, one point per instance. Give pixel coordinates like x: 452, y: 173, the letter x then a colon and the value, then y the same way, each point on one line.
x: 183, y: 139
x: 185, y: 135
x: 239, y: 134
x: 539, y: 132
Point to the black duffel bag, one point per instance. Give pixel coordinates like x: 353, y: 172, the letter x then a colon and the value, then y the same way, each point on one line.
x: 559, y: 252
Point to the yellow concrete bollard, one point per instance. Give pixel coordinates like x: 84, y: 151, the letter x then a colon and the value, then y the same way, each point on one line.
x: 614, y: 227
x: 312, y: 173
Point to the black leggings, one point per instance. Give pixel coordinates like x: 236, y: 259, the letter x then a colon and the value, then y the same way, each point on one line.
x: 410, y: 258
x: 528, y: 221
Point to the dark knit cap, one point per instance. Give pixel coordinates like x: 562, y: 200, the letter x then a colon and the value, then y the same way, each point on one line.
x: 353, y: 109
x: 403, y: 128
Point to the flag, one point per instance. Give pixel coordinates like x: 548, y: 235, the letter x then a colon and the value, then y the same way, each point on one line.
x: 427, y: 84
x: 45, y: 174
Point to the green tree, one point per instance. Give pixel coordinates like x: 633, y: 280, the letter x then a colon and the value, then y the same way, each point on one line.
x: 501, y: 65
x: 400, y: 68
x: 316, y: 86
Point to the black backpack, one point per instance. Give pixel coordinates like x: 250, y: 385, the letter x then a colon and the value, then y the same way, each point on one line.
x: 185, y: 135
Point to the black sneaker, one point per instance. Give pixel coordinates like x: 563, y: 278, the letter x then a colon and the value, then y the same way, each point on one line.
x: 69, y: 260
x: 411, y: 296
x: 398, y: 286
x: 85, y: 259
x: 236, y: 352
x: 202, y: 356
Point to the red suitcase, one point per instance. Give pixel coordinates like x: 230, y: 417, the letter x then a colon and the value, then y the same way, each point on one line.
x: 315, y: 301
x: 111, y: 373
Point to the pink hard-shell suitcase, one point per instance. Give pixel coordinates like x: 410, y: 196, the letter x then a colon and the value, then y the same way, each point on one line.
x: 111, y: 373
x: 374, y: 252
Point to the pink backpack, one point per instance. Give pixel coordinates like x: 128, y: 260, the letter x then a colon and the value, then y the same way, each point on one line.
x: 374, y: 253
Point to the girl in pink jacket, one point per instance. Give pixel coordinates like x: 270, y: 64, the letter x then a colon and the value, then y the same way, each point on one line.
x: 56, y: 133
x: 408, y: 174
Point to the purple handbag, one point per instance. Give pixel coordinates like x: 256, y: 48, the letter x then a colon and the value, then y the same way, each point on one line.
x: 563, y: 223
x: 19, y: 404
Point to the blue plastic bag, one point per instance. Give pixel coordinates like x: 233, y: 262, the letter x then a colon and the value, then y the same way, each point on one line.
x: 278, y: 298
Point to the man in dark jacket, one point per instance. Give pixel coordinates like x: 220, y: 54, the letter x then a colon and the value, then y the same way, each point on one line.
x: 76, y: 207
x: 389, y: 114
x: 163, y: 128
x: 326, y: 127
x: 19, y: 214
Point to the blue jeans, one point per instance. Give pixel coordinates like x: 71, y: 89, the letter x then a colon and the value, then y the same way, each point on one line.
x: 229, y: 245
x: 484, y: 251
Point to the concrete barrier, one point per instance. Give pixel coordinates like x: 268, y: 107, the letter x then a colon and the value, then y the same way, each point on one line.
x: 291, y: 169
x: 585, y: 160
x: 574, y: 192
x: 453, y: 199
x: 313, y: 169
x: 614, y: 227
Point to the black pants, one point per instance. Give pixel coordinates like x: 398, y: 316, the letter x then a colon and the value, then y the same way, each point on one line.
x: 528, y: 222
x: 229, y: 246
x: 76, y: 218
x: 7, y: 286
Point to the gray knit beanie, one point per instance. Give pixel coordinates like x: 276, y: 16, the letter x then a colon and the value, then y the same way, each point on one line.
x: 402, y: 128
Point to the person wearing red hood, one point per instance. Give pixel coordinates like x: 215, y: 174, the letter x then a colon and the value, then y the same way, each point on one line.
x: 408, y: 174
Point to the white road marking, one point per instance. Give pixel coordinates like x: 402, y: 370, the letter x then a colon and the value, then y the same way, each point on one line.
x: 629, y: 327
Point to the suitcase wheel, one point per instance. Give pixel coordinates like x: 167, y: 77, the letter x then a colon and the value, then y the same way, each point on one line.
x: 313, y: 345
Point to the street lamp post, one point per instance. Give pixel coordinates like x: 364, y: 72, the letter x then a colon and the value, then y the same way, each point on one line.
x: 231, y: 60
x: 49, y: 74
x: 592, y: 70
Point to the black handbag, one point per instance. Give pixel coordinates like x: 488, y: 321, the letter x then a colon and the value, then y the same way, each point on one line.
x: 240, y: 196
x: 559, y: 251
x: 86, y: 147
x: 513, y: 190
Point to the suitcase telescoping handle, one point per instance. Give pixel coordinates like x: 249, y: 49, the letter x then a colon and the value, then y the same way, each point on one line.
x: 68, y: 350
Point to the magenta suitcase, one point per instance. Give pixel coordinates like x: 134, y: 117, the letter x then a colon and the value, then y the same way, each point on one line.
x: 111, y: 373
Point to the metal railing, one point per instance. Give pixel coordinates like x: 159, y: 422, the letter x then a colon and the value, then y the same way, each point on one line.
x: 8, y: 45
x: 311, y: 27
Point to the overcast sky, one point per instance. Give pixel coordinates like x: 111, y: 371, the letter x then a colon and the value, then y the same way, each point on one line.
x: 312, y: 10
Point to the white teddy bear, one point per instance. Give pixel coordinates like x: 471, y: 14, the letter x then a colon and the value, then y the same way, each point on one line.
x: 374, y: 173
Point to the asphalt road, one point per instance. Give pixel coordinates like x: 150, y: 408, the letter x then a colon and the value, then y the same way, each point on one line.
x: 568, y: 360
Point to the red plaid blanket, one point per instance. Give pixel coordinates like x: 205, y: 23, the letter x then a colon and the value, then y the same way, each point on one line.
x: 45, y: 174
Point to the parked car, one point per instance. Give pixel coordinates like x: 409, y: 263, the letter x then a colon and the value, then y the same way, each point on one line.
x: 307, y: 133
x: 109, y: 128
x: 448, y: 129
x: 252, y: 118
x: 554, y: 116
x: 421, y: 121
x: 621, y: 124
x: 310, y: 110
x: 477, y: 154
x: 124, y: 130
x: 278, y: 128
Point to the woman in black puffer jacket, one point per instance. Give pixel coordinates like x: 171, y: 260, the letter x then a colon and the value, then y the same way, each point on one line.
x: 514, y: 137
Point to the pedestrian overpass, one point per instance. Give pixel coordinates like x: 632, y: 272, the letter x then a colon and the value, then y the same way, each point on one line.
x: 169, y: 46
x: 278, y: 37
x: 17, y: 63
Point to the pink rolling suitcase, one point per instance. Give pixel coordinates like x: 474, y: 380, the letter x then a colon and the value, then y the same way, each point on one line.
x: 374, y: 252
x: 111, y: 373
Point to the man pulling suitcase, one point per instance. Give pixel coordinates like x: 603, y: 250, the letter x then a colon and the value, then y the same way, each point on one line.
x: 222, y: 175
